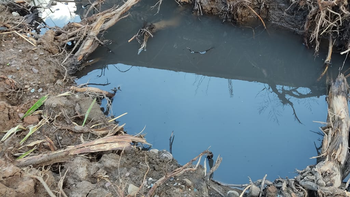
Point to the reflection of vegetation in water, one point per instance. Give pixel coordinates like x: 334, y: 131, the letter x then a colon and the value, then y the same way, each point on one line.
x: 230, y: 87
x: 283, y: 95
x: 270, y: 102
x: 199, y: 80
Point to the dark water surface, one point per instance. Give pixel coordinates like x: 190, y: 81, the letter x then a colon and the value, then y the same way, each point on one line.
x: 252, y: 98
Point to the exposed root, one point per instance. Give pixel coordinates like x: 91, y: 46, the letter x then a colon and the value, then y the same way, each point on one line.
x: 262, y: 21
x: 41, y: 180
x: 60, y: 184
x: 326, y: 19
x: 327, y: 62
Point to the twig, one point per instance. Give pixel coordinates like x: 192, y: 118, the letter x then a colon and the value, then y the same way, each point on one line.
x: 159, y: 3
x: 245, y: 189
x: 217, y: 190
x: 140, y: 131
x: 328, y: 59
x: 44, y: 184
x: 171, y: 141
x: 20, y: 36
x: 262, y: 185
x: 60, y: 184
x: 144, y: 176
x: 76, y: 45
x: 92, y: 6
x: 346, y: 57
x: 214, y: 168
x: 347, y: 184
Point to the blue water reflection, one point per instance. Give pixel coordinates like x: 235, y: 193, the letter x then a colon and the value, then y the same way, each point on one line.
x: 244, y: 122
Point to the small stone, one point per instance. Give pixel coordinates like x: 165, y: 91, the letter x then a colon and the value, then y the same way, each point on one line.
x: 166, y: 155
x: 26, y: 86
x: 188, y: 183
x: 35, y: 70
x: 32, y: 90
x: 132, y: 190
x: 40, y: 90
x: 232, y: 193
x: 15, y: 14
x: 271, y: 191
x: 155, y: 151
x: 254, y: 190
x: 59, y: 82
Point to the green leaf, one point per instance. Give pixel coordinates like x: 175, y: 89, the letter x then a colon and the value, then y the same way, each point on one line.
x: 32, y: 129
x: 36, y: 105
x: 88, y: 112
x: 26, y: 153
x: 12, y: 131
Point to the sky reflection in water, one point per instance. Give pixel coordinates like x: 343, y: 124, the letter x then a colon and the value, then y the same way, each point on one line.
x: 251, y: 129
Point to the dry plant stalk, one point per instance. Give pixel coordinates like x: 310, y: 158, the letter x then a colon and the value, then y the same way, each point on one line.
x: 326, y: 18
x: 94, y: 90
x: 103, y: 144
x: 328, y: 59
x: 103, y: 21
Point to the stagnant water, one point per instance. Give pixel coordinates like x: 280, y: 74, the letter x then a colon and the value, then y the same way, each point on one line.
x: 252, y: 98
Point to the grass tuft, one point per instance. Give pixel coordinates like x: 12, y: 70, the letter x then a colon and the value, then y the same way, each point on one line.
x: 88, y: 112
x: 26, y: 153
x: 36, y: 105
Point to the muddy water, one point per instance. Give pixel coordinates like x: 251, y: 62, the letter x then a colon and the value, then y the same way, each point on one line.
x: 252, y: 98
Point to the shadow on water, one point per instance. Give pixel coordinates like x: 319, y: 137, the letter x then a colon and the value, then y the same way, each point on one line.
x: 252, y: 97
